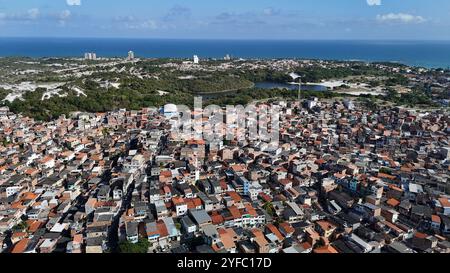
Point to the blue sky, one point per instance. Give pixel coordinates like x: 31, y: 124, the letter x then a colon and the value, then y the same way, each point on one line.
x: 225, y: 19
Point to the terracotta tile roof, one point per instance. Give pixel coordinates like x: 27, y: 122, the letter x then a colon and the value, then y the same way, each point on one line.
x: 17, y: 205
x: 287, y: 227
x: 216, y: 218
x: 444, y: 202
x: 435, y: 218
x: 166, y: 173
x: 196, y: 142
x: 197, y: 202
x: 306, y: 245
x: 386, y: 176
x: 21, y: 246
x: 223, y: 185
x: 31, y: 171
x: 420, y: 235
x: 393, y: 187
x: 259, y: 237
x: 33, y: 227
x: 257, y: 232
x: 393, y: 202
x: 392, y: 226
x: 273, y: 229
x: 325, y: 225
x: 285, y: 181
x: 162, y: 229
x: 150, y: 232
x: 325, y: 250
x: 265, y: 197
x: 250, y: 209
x: 235, y: 196
x: 193, y: 203
x: 226, y: 238
x: 46, y: 159
x: 18, y: 234
x: 105, y: 204
x: 320, y: 161
x: 178, y: 201
x: 238, y: 168
x: 235, y: 213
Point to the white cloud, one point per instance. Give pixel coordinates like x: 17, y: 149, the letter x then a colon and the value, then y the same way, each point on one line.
x: 33, y: 13
x: 178, y: 12
x: 150, y: 24
x: 125, y: 19
x: 374, y: 2
x: 400, y: 18
x: 135, y: 25
x: 271, y: 11
x: 65, y: 14
x: 73, y: 2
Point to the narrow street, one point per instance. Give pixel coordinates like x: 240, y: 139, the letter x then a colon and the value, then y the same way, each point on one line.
x: 113, y: 232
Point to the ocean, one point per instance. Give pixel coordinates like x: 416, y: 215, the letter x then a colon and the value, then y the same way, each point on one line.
x: 430, y: 54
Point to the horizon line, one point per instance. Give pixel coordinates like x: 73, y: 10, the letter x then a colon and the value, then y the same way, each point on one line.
x: 222, y: 39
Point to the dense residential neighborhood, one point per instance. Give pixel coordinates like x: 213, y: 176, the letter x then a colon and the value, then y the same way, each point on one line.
x: 344, y: 179
x: 224, y: 136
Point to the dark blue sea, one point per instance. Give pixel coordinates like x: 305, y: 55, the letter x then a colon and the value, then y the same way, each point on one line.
x: 430, y: 54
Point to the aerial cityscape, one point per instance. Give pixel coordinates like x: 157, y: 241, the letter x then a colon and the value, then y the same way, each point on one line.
x: 108, y: 149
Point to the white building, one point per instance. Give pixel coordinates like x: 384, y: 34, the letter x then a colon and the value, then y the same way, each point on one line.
x: 349, y: 104
x: 117, y: 194
x: 90, y: 56
x: 136, y: 163
x: 10, y: 191
x: 181, y: 208
x: 130, y: 55
x: 312, y: 103
x: 254, y: 190
x: 196, y: 59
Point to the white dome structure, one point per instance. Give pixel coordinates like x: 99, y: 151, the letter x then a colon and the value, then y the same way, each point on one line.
x: 170, y: 110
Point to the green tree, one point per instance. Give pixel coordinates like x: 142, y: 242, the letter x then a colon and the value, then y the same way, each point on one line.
x: 140, y: 247
x: 21, y: 226
x: 268, y: 206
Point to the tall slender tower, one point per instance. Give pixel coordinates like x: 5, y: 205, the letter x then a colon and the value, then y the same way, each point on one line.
x: 295, y: 76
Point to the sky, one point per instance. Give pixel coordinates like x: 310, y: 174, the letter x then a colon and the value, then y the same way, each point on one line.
x: 228, y: 19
